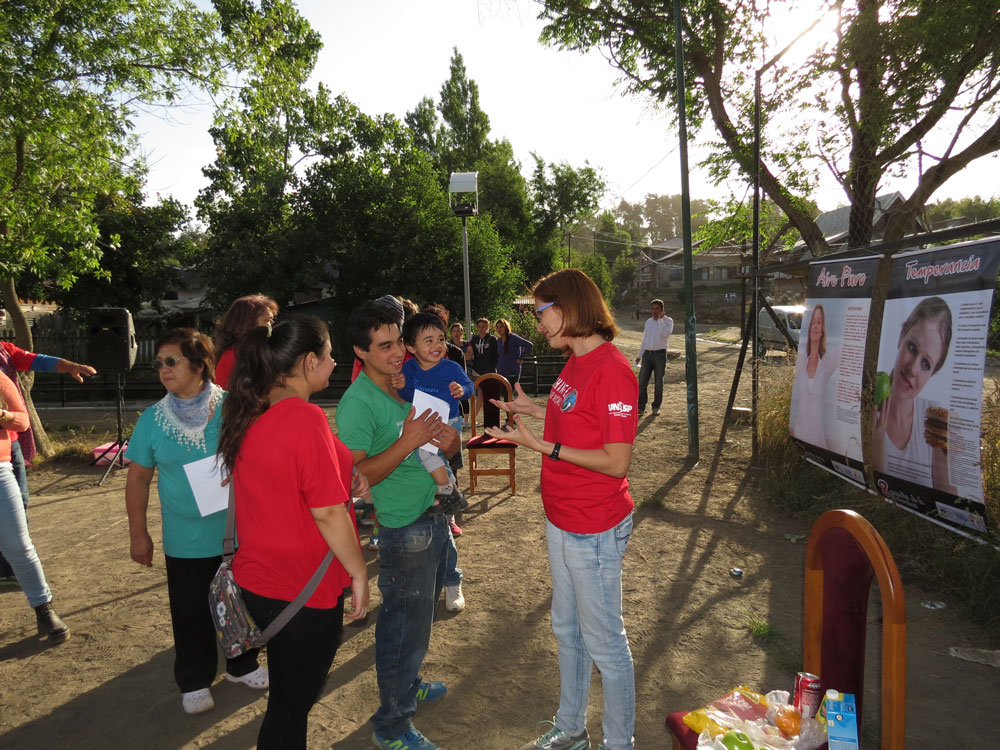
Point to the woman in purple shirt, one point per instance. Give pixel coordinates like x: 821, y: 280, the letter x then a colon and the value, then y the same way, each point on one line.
x: 512, y: 351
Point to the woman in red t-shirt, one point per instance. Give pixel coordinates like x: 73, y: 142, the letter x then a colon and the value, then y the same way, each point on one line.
x: 245, y: 313
x: 590, y: 424
x: 293, y: 487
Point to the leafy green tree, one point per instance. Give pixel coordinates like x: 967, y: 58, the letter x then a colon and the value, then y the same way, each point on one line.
x: 563, y: 195
x: 629, y: 217
x: 731, y: 222
x: 623, y: 270
x: 883, y: 85
x: 596, y: 267
x: 72, y: 75
x: 145, y: 247
x: 972, y: 209
x: 459, y: 142
x: 261, y: 136
x: 373, y: 206
x: 609, y: 238
x: 463, y: 137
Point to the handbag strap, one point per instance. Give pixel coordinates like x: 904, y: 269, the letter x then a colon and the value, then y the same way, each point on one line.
x: 229, y: 550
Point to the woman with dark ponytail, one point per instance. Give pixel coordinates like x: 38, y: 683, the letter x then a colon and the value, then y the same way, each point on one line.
x: 293, y: 486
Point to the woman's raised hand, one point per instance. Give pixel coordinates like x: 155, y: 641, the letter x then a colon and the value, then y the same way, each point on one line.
x: 520, y: 405
x: 519, y: 433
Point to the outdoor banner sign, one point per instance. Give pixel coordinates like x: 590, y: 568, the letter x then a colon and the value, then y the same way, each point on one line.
x: 826, y: 393
x: 929, y: 386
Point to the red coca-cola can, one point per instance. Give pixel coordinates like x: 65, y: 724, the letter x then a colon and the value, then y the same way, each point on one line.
x: 808, y: 694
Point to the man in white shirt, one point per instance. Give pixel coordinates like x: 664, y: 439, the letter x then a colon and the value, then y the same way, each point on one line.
x: 652, y: 359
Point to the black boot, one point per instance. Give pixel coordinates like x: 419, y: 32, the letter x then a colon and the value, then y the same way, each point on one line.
x: 49, y: 623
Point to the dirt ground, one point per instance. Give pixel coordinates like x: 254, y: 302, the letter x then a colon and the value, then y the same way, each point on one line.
x: 111, y: 686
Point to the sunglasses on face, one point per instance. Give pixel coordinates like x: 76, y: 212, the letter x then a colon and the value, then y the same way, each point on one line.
x: 543, y: 308
x: 166, y: 362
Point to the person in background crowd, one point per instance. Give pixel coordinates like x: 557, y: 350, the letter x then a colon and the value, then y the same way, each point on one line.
x: 511, y: 351
x: 15, y: 542
x: 293, y: 485
x: 652, y: 359
x: 412, y: 536
x: 12, y: 359
x: 456, y: 353
x: 181, y: 428
x: 245, y: 313
x: 586, y: 447
x: 483, y: 351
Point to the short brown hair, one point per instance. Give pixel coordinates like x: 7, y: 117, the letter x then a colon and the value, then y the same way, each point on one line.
x: 656, y: 302
x: 582, y: 305
x: 197, y: 347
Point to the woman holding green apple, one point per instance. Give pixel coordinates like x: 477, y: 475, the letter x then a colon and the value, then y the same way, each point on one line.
x: 910, y: 434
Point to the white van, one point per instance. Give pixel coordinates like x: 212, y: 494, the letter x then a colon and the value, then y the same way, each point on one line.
x: 770, y: 336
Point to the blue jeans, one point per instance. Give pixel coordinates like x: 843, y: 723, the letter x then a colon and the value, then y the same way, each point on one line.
x: 411, y: 573
x: 452, y: 573
x: 589, y: 628
x: 20, y: 472
x: 653, y: 363
x: 15, y: 542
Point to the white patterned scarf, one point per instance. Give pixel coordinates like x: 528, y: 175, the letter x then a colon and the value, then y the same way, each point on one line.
x: 185, y: 419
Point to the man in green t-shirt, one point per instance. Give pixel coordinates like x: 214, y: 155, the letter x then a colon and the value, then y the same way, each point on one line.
x: 383, y: 433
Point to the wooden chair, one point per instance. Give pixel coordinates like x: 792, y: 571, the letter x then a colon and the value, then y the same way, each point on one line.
x: 843, y: 554
x: 480, y: 445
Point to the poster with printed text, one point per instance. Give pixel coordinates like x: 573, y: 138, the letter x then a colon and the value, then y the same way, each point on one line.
x: 928, y: 390
x: 826, y: 394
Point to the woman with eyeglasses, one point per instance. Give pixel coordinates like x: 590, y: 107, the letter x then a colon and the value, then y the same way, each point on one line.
x: 586, y: 447
x: 180, y: 429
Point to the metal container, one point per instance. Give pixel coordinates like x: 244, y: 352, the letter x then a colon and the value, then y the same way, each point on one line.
x: 808, y: 694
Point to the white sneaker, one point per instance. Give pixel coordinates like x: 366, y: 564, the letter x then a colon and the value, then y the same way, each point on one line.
x: 257, y: 679
x: 453, y: 599
x: 197, y: 701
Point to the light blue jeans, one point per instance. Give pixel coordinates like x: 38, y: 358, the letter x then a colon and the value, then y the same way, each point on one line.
x: 589, y: 628
x: 15, y: 543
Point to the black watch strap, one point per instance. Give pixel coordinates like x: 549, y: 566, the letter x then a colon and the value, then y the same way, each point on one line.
x: 554, y: 455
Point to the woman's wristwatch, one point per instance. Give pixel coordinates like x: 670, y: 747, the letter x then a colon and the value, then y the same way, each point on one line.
x: 554, y: 455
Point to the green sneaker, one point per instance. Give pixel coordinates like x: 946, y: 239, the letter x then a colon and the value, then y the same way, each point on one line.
x: 556, y: 739
x: 412, y: 740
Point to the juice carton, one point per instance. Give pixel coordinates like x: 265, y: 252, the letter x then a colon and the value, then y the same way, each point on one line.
x: 841, y: 721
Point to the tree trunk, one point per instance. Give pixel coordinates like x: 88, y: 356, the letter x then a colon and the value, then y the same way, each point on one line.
x: 23, y: 339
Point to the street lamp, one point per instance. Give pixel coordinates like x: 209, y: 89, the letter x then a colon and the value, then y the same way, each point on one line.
x: 463, y: 198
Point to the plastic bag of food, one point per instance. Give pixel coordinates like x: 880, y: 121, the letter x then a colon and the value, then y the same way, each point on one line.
x: 739, y: 704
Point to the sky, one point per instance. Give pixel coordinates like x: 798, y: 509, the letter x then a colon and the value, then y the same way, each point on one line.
x: 385, y: 55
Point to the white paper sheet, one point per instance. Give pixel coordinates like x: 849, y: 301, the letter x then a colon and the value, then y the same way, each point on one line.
x: 205, y: 477
x: 422, y: 401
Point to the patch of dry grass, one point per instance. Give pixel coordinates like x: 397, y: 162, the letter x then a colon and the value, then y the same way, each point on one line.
x: 945, y: 562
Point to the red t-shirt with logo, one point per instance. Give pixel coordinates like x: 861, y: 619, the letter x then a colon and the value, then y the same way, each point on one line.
x: 289, y: 462
x: 593, y: 403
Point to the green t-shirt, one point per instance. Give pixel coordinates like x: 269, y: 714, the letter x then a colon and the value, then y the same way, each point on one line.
x: 369, y: 420
x: 159, y: 441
